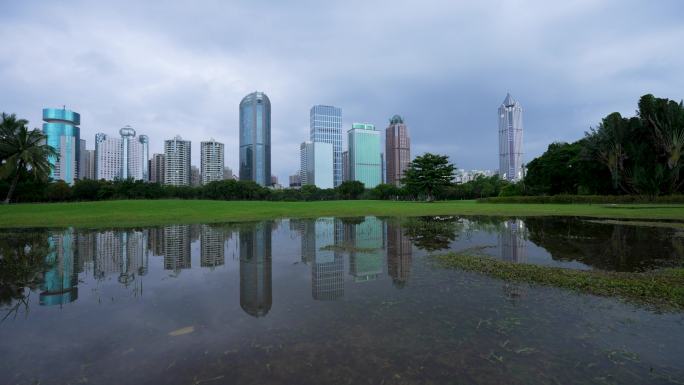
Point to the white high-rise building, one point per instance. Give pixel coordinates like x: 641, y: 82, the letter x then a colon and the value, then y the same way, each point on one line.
x: 211, y: 161
x: 316, y: 161
x: 107, y: 157
x: 122, y: 158
x: 510, y: 140
x: 326, y: 126
x: 177, y: 162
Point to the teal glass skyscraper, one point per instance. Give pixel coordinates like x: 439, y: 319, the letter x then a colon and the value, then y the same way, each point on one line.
x: 64, y: 135
x: 326, y: 126
x: 364, y: 154
x: 255, y: 138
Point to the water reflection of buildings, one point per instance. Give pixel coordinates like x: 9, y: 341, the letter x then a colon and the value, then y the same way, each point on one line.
x: 255, y: 269
x: 327, y: 269
x: 61, y: 280
x: 105, y: 253
x: 512, y: 241
x: 212, y: 246
x: 365, y: 243
x: 399, y: 254
x: 177, y: 247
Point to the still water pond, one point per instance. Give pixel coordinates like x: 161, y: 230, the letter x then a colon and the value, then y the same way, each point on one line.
x: 329, y: 301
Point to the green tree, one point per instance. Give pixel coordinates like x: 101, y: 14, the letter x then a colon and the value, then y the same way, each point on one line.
x: 428, y: 173
x: 350, y: 189
x: 384, y: 191
x: 22, y: 150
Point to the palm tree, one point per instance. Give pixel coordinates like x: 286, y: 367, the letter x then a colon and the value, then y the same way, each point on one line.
x: 21, y: 150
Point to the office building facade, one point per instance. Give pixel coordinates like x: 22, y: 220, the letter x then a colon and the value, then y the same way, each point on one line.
x: 397, y: 150
x: 63, y: 134
x: 364, y: 154
x: 211, y: 161
x: 326, y: 126
x: 317, y: 159
x: 510, y: 140
x: 255, y: 138
x: 177, y: 162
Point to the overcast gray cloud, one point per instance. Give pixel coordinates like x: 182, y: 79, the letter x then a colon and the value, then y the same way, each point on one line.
x: 170, y: 68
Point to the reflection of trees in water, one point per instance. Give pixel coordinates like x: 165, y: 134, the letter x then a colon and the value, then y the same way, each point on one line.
x: 433, y: 233
x: 607, y: 246
x: 22, y: 263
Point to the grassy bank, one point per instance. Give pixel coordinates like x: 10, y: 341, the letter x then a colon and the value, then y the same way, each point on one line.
x: 663, y: 289
x: 155, y: 212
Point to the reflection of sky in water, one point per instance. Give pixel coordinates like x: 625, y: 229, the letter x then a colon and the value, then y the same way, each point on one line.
x: 312, y: 301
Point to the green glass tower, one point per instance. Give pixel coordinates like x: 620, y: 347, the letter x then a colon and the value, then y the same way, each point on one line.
x: 365, y: 165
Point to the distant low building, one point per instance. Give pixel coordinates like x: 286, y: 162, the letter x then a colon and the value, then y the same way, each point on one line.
x: 465, y: 176
x: 157, y: 168
x: 295, y: 181
x: 195, y: 176
x: 228, y: 174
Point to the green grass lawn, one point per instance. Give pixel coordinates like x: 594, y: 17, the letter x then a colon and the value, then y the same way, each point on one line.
x: 156, y: 212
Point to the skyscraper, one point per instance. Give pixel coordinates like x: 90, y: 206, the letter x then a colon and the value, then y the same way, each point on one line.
x: 157, y: 168
x: 364, y: 154
x: 316, y: 159
x: 397, y: 150
x: 326, y: 126
x: 144, y: 144
x: 510, y: 140
x: 255, y: 138
x: 64, y: 135
x: 107, y: 157
x: 345, y: 166
x: 122, y: 158
x: 211, y: 161
x: 177, y: 162
x: 127, y: 137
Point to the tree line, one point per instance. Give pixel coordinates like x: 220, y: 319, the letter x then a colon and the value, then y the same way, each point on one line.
x: 639, y: 155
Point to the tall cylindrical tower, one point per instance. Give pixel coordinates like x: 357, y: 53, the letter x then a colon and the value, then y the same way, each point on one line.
x: 255, y: 138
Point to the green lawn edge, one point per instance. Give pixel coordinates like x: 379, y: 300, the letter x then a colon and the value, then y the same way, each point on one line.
x: 125, y: 213
x: 660, y: 289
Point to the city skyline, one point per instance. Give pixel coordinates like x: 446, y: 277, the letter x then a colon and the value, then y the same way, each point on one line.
x: 552, y: 61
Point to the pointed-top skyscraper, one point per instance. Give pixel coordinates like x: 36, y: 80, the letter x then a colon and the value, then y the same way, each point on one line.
x: 510, y: 140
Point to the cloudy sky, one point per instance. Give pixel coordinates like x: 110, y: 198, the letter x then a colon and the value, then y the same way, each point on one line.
x: 182, y: 67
